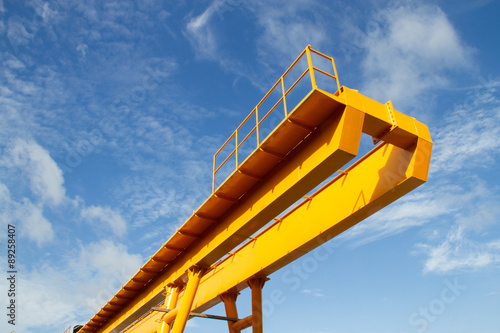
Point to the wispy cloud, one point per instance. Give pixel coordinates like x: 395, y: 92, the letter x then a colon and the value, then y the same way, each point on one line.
x: 106, y: 215
x: 55, y: 296
x: 106, y: 257
x: 35, y: 225
x: 35, y: 164
x: 313, y: 292
x: 43, y: 187
x: 201, y: 32
x: 209, y: 41
x: 279, y: 41
x: 458, y: 252
x: 413, y: 210
x: 413, y: 51
x: 30, y: 217
x: 288, y: 27
x: 468, y: 138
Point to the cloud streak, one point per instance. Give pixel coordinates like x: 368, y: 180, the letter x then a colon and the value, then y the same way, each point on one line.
x: 55, y: 296
x: 45, y: 177
x: 458, y: 252
x: 107, y: 216
x: 413, y: 51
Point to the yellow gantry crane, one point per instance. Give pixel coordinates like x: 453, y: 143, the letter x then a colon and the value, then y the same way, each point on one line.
x: 262, y: 216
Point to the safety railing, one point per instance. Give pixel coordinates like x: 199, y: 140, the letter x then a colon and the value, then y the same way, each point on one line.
x: 236, y: 136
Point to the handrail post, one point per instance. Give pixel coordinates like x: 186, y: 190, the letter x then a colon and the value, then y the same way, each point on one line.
x: 236, y: 148
x: 284, y: 98
x: 213, y: 175
x: 311, y: 70
x: 336, y: 76
x: 257, y: 125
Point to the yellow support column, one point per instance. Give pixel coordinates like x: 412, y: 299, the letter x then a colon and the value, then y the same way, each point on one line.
x: 195, y: 274
x: 256, y: 284
x: 229, y: 299
x: 172, y: 297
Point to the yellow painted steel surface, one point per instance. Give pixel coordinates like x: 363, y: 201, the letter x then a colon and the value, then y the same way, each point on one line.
x: 314, y: 140
x: 349, y: 198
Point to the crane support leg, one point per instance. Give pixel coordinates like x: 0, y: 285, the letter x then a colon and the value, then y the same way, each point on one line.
x: 195, y: 274
x: 171, y: 302
x: 256, y: 285
x: 229, y: 299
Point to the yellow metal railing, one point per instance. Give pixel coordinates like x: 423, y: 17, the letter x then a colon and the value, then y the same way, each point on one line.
x: 255, y: 112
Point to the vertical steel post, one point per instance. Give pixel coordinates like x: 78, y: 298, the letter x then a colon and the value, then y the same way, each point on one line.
x: 284, y: 96
x: 336, y: 77
x: 195, y: 274
x: 311, y: 70
x: 213, y: 174
x: 256, y: 284
x: 229, y: 300
x: 236, y: 148
x: 257, y: 125
x: 171, y: 302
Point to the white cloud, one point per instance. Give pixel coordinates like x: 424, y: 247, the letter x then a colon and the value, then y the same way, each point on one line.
x: 45, y: 177
x: 283, y: 37
x: 412, y: 210
x: 313, y: 292
x: 28, y: 215
x: 468, y: 243
x: 108, y: 265
x: 46, y: 300
x: 459, y: 252
x: 35, y: 225
x: 54, y: 297
x: 106, y: 215
x: 410, y: 52
x: 202, y: 35
x: 207, y: 40
x: 106, y: 257
x: 279, y: 41
x: 469, y: 137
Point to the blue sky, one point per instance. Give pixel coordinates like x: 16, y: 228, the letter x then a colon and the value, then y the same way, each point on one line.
x: 110, y: 113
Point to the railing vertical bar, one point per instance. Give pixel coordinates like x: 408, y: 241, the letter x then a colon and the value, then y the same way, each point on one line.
x: 213, y: 174
x: 257, y: 125
x: 311, y: 70
x: 236, y: 148
x: 336, y: 76
x: 284, y: 96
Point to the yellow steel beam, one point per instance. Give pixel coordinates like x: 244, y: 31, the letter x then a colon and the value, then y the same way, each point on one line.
x: 330, y: 147
x: 379, y: 178
x: 336, y: 122
x: 383, y: 122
